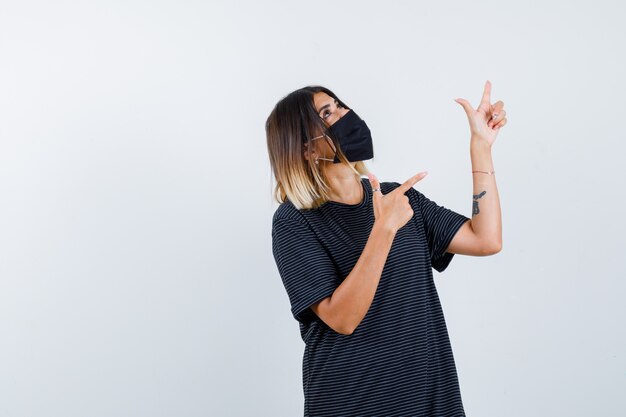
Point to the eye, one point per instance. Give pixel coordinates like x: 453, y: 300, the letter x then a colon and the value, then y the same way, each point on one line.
x: 327, y: 113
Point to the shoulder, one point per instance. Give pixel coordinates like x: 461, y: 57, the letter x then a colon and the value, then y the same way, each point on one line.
x: 290, y: 226
x: 387, y: 187
x: 287, y: 212
x: 416, y: 198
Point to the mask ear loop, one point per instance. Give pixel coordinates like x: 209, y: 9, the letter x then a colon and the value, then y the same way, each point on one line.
x: 332, y: 145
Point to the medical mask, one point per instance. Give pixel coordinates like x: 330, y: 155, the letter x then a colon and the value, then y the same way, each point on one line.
x: 354, y: 137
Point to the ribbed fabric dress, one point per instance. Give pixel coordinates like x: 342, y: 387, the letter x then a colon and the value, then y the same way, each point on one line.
x: 398, y: 361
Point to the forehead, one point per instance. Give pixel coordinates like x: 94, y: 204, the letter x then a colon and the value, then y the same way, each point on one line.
x: 321, y: 98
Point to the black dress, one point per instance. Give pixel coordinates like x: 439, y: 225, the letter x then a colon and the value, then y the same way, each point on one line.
x: 398, y: 361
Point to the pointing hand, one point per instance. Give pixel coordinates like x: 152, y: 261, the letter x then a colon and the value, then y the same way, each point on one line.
x: 393, y: 209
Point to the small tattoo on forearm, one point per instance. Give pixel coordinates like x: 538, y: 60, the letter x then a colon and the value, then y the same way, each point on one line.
x: 475, y: 209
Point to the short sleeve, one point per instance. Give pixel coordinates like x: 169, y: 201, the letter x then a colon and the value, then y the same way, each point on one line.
x: 305, y: 267
x: 440, y: 224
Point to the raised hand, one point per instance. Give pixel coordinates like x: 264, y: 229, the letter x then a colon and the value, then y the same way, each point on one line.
x: 487, y: 119
x: 393, y: 209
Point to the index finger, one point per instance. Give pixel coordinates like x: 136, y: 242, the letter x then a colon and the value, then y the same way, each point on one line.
x: 404, y: 187
x: 486, y: 94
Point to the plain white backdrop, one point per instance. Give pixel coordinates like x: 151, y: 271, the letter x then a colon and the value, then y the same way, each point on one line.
x: 136, y: 273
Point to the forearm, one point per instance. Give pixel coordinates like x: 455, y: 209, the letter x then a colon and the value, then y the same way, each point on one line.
x: 353, y: 298
x: 486, y: 219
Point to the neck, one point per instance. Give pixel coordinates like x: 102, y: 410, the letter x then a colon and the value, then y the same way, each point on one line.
x: 346, y: 188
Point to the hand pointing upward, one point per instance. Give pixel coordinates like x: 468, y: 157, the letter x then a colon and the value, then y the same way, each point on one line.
x: 486, y: 121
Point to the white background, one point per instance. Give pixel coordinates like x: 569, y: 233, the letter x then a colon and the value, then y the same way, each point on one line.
x: 136, y: 273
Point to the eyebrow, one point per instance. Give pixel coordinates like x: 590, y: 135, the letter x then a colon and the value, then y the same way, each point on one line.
x: 325, y: 106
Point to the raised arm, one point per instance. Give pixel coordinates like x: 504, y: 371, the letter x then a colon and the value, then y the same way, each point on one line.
x: 483, y: 235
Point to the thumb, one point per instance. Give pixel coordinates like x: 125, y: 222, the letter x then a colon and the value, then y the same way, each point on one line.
x: 465, y: 104
x: 375, y: 184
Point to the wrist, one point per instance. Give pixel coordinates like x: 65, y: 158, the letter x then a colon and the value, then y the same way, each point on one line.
x: 481, y: 157
x: 478, y: 143
x: 384, y: 229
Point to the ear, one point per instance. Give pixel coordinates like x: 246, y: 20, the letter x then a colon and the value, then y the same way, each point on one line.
x: 308, y: 154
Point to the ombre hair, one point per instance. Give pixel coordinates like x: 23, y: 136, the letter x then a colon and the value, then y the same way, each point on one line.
x: 293, y: 122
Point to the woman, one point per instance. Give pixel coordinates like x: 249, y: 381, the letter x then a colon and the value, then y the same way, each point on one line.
x: 356, y: 258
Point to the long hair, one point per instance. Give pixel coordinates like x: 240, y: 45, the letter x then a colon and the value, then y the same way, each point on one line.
x: 292, y: 123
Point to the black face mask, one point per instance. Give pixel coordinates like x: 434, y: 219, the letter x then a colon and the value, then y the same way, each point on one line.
x: 355, y: 138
